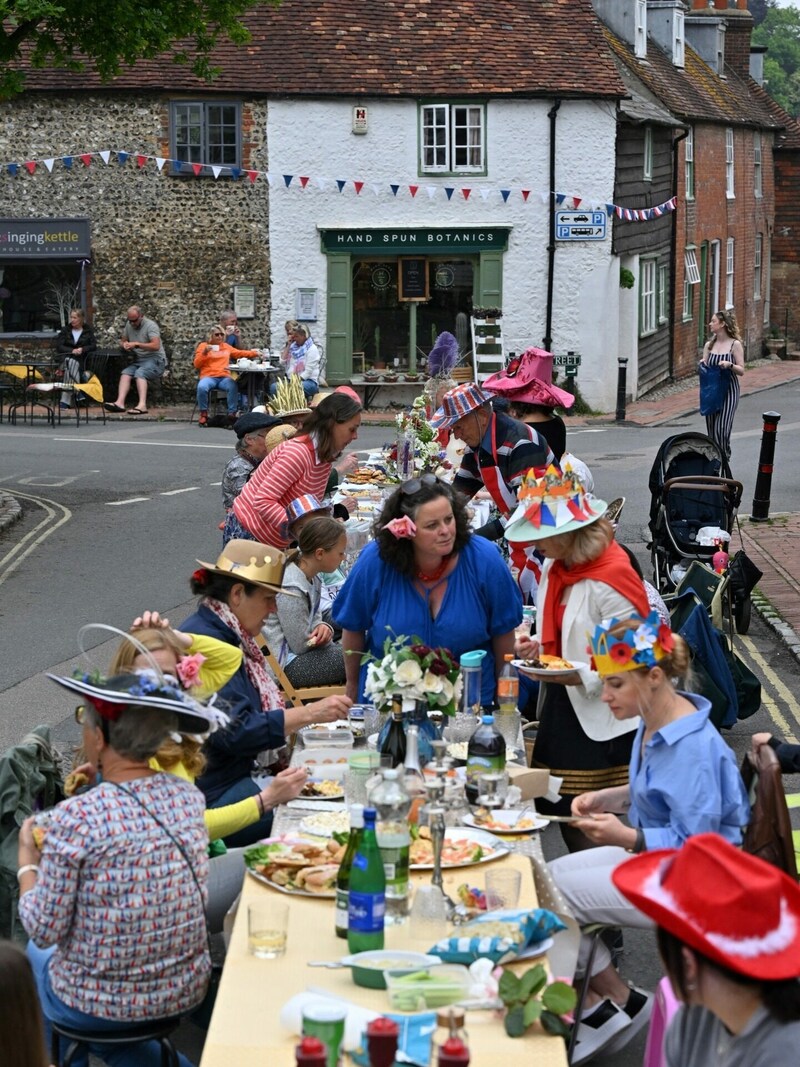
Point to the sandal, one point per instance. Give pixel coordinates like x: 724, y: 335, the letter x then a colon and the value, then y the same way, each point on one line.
x: 115, y: 408
x: 136, y: 411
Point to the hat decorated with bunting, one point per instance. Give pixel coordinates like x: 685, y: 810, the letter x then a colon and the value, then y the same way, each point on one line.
x: 619, y: 645
x: 556, y: 503
x: 459, y: 402
x: 736, y: 909
x: 250, y: 561
x: 305, y: 505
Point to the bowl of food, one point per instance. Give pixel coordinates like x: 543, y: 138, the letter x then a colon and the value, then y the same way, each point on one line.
x: 368, y: 968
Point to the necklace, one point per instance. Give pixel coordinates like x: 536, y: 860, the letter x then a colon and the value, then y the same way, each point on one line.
x: 437, y: 574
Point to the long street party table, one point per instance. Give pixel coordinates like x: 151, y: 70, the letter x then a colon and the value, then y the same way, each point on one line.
x: 245, y: 1027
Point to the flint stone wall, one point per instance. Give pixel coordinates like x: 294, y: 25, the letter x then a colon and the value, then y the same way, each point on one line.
x: 174, y: 245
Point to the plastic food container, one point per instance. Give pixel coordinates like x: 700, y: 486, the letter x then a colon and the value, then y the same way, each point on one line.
x: 319, y: 737
x: 325, y: 763
x: 369, y: 968
x: 427, y: 987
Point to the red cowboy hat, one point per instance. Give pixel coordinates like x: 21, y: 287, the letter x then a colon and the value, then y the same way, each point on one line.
x: 736, y: 909
x: 528, y: 379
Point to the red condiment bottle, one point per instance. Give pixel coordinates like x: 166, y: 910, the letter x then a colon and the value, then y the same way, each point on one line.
x: 310, y: 1053
x: 382, y: 1037
x: 453, y: 1053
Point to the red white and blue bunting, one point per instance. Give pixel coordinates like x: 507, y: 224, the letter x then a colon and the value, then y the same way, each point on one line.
x: 300, y: 183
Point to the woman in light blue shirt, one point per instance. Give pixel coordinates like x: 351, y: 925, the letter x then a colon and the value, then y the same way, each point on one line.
x: 683, y: 781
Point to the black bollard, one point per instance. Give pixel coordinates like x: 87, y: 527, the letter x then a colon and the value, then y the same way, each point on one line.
x: 622, y: 376
x: 760, y: 510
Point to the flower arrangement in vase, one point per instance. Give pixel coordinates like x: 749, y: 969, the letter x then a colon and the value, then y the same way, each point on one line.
x: 414, y: 671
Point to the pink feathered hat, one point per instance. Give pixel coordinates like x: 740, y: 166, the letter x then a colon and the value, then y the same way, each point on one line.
x: 528, y: 379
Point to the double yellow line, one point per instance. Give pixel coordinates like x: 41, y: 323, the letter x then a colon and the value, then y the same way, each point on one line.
x: 771, y: 688
x: 55, y: 515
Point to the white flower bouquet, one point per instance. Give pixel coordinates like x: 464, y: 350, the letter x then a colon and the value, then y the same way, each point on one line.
x: 416, y: 671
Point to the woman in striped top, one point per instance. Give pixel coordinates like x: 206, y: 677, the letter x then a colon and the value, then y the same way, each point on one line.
x: 724, y: 350
x: 296, y: 468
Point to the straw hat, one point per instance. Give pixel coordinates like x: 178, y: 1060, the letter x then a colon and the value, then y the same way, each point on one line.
x: 458, y: 403
x: 734, y: 908
x: 554, y: 504
x: 253, y: 562
x: 277, y: 435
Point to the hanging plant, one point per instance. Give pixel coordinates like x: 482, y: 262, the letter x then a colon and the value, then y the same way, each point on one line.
x: 626, y: 278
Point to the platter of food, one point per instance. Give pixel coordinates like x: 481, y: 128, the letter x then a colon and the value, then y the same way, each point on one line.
x: 296, y: 865
x: 545, y: 666
x: 322, y: 789
x: 366, y: 476
x: 505, y: 821
x: 327, y: 823
x: 462, y: 848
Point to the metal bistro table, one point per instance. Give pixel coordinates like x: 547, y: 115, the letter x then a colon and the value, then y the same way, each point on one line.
x: 258, y: 379
x: 29, y: 372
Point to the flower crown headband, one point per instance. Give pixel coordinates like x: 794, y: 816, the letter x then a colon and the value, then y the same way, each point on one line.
x: 642, y: 645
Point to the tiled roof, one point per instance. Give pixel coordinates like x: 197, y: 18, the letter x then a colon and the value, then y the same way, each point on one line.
x: 695, y: 93
x: 641, y: 105
x: 789, y: 136
x: 394, y: 48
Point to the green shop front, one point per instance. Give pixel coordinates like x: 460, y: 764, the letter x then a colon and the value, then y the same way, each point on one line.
x: 390, y: 292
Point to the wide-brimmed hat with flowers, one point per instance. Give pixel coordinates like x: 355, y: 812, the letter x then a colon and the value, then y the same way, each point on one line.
x: 529, y: 380
x: 144, y: 689
x: 734, y: 908
x: 253, y: 562
x: 458, y: 403
x: 556, y: 503
x: 629, y: 644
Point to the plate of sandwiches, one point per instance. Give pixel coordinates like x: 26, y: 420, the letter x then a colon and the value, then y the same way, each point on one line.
x: 296, y: 865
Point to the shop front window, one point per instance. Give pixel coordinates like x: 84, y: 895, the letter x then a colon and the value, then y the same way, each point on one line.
x: 381, y: 322
x: 37, y: 297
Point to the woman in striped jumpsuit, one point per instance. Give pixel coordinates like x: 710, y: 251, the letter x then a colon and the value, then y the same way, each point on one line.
x: 724, y: 350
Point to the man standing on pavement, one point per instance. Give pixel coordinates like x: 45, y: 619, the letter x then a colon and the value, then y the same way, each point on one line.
x: 142, y: 339
x: 499, y: 452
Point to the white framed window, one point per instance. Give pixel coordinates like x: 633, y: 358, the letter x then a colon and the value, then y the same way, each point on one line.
x: 205, y: 132
x: 692, y: 270
x: 647, y: 297
x: 640, y: 29
x: 766, y: 271
x: 757, y: 171
x: 453, y: 139
x: 729, y: 190
x: 714, y: 263
x: 663, y: 294
x: 688, y: 156
x: 647, y: 169
x: 757, y: 252
x: 729, y: 273
x: 688, y: 300
x: 678, y: 40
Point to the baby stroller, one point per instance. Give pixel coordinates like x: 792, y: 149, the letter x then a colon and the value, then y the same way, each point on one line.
x: 691, y: 494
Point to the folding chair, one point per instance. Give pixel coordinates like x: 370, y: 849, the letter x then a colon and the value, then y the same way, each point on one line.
x: 296, y: 696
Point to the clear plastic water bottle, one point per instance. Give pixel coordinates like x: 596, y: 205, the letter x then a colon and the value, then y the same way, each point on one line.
x: 508, y: 687
x: 392, y: 803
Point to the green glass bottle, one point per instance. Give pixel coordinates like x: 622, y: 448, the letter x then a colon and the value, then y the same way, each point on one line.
x: 343, y: 877
x: 366, y: 902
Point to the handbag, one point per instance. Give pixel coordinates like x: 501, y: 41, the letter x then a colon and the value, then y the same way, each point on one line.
x: 713, y: 388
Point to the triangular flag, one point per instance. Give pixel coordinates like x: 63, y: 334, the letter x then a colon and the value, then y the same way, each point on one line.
x: 545, y: 195
x: 121, y: 157
x: 413, y: 189
x: 236, y: 173
x: 449, y: 190
x: 394, y: 189
x: 12, y: 169
x: 525, y: 194
x: 67, y: 161
x: 216, y: 171
x: 560, y: 198
x: 141, y: 160
x: 431, y: 190
x: 321, y: 184
x: 485, y: 194
x: 252, y: 175
x: 609, y: 209
x: 30, y: 166
x: 340, y: 184
x: 270, y: 178
x: 105, y: 155
x: 303, y: 182
x: 358, y: 186
x: 176, y: 165
x: 505, y: 193
x: 160, y: 161
x: 49, y: 164
x: 465, y: 193
x: 577, y: 201
x: 198, y: 169
x: 376, y: 189
x: 287, y: 179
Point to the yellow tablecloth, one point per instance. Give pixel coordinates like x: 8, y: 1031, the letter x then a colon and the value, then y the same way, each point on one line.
x: 245, y: 1028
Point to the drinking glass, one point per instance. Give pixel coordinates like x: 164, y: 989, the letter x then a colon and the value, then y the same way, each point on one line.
x: 326, y: 1020
x: 361, y: 766
x: 502, y: 888
x: 428, y: 916
x: 267, y: 925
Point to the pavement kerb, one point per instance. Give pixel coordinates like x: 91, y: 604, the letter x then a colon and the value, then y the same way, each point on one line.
x: 10, y: 510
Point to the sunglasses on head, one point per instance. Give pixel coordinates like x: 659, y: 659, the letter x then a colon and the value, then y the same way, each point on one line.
x: 413, y: 485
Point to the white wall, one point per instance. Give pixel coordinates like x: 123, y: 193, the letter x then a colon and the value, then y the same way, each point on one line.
x: 315, y: 139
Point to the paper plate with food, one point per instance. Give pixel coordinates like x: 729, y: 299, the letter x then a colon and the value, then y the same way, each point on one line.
x: 505, y: 821
x: 546, y: 666
x: 323, y: 789
x: 296, y: 865
x: 327, y: 823
x: 462, y: 848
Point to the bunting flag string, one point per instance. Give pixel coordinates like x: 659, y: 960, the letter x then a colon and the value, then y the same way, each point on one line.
x: 351, y: 186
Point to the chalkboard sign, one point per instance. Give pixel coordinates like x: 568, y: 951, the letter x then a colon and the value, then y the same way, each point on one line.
x: 413, y: 283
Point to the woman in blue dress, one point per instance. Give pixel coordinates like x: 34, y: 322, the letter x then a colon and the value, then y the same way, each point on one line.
x: 426, y: 576
x: 725, y: 351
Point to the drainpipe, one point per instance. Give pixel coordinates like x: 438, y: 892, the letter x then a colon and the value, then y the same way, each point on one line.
x: 551, y: 245
x: 674, y: 247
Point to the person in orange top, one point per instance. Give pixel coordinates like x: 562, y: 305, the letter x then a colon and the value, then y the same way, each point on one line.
x: 212, y: 359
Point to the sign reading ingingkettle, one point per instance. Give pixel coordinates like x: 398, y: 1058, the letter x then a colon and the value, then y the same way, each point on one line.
x: 580, y: 225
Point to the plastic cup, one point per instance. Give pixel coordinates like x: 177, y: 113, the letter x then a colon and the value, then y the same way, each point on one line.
x: 428, y: 916
x: 267, y: 926
x: 215, y: 348
x: 502, y: 889
x: 326, y: 1021
x: 360, y: 768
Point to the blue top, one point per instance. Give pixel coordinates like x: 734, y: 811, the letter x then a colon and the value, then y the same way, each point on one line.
x: 481, y: 601
x: 686, y: 783
x: 230, y: 751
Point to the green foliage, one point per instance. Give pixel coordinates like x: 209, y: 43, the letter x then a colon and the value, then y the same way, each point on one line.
x: 106, y: 35
x: 626, y: 278
x: 780, y: 32
x: 530, y: 999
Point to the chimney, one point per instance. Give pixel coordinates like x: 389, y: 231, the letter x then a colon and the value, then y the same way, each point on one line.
x: 739, y: 27
x: 627, y: 19
x: 665, y: 26
x: 706, y: 34
x: 757, y: 53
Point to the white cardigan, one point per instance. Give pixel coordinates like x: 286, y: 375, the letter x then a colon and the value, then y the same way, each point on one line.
x: 587, y: 603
